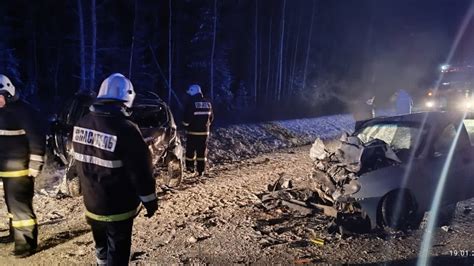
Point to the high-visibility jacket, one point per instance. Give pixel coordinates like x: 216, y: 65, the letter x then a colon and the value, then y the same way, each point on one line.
x: 198, y: 116
x: 113, y: 163
x: 22, y: 140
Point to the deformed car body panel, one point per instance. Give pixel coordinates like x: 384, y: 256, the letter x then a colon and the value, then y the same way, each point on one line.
x: 426, y: 168
x: 149, y: 112
x: 369, y: 206
x: 423, y: 155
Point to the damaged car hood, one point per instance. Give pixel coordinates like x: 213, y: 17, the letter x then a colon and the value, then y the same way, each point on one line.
x: 378, y: 182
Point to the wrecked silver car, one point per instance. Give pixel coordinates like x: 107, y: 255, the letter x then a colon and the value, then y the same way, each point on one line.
x: 149, y: 112
x: 386, y: 173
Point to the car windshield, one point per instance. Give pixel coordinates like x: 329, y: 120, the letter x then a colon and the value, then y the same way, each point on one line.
x: 400, y: 136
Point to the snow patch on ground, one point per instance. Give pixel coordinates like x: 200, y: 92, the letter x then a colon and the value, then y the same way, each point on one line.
x: 237, y: 142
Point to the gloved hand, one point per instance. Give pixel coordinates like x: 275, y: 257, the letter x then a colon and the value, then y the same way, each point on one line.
x: 35, y: 165
x: 151, y: 207
x: 33, y: 172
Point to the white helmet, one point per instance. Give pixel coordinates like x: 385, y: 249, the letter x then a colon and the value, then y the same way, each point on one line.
x: 117, y: 88
x: 6, y: 85
x: 194, y: 89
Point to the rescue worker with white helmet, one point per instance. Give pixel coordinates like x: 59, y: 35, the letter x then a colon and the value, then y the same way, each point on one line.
x: 22, y: 148
x: 198, y: 116
x: 115, y: 170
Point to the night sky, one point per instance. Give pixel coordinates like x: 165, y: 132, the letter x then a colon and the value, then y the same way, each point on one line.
x: 354, y: 45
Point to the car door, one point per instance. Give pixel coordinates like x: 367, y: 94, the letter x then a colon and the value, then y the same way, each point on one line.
x: 466, y: 157
x: 458, y: 181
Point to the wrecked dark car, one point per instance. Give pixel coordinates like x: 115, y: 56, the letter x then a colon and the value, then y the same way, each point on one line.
x: 386, y: 173
x: 156, y: 124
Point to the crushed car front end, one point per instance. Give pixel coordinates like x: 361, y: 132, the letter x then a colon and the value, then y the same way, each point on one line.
x: 357, y: 176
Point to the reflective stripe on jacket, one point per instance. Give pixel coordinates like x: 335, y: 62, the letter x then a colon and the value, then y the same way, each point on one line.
x: 22, y: 140
x: 198, y: 116
x: 114, y: 217
x: 113, y: 163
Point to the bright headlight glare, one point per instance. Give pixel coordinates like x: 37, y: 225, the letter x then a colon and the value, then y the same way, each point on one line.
x: 468, y: 104
x: 429, y: 104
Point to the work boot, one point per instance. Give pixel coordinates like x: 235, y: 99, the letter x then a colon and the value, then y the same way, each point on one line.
x: 101, y: 261
x: 23, y: 253
x: 6, y: 239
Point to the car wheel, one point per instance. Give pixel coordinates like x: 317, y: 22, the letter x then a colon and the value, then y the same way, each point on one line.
x: 74, y: 187
x: 389, y: 218
x: 72, y: 180
x: 174, y: 176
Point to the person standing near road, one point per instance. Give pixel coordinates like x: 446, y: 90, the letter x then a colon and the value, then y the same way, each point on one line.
x: 115, y: 170
x: 403, y: 102
x: 22, y: 148
x: 198, y: 116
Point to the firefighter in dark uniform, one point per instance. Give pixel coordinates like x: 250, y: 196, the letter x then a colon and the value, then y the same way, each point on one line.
x: 22, y: 148
x: 115, y: 170
x: 198, y: 117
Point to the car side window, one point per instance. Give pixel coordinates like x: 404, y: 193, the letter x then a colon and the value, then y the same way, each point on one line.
x: 469, y: 124
x: 445, y: 139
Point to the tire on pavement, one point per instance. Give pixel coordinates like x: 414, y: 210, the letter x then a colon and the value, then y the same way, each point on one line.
x: 397, y: 211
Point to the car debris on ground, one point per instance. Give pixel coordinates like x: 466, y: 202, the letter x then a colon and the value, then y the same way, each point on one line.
x: 333, y: 179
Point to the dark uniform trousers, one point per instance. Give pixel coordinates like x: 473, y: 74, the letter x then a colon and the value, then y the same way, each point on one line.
x: 113, y: 241
x: 114, y: 166
x: 22, y: 148
x: 196, y: 150
x: 19, y: 199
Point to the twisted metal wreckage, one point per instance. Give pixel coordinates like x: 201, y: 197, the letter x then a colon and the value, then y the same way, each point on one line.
x: 156, y: 124
x: 386, y: 173
x: 333, y: 180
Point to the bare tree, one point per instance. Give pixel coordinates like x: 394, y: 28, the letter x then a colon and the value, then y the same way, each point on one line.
x: 305, y: 71
x: 163, y: 76
x: 132, y: 46
x: 56, y: 72
x: 256, y: 54
x: 287, y: 52
x: 94, y: 44
x: 269, y: 57
x: 82, y: 45
x: 370, y: 47
x: 295, y: 55
x: 260, y: 63
x: 170, y: 51
x: 280, y: 63
x: 213, y: 49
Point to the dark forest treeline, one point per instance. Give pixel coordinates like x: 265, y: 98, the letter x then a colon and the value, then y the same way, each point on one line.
x: 273, y: 58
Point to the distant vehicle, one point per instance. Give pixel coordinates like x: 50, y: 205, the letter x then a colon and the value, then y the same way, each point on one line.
x: 149, y: 112
x: 455, y: 90
x: 380, y: 188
